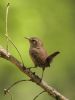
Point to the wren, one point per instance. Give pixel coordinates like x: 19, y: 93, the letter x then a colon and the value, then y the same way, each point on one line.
x: 39, y: 55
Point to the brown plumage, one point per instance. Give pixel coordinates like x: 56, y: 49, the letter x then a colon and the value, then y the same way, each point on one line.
x: 39, y: 55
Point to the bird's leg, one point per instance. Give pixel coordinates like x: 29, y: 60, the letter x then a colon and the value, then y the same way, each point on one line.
x: 32, y: 67
x: 42, y: 73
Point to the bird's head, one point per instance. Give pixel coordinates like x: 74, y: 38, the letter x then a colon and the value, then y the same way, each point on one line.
x: 34, y: 42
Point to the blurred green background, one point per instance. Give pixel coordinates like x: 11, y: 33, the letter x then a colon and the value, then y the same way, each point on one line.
x: 53, y: 21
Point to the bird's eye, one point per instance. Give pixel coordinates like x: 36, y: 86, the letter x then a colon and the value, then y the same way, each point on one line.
x: 34, y: 42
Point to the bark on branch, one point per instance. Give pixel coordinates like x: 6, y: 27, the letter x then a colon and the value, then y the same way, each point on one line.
x: 34, y: 78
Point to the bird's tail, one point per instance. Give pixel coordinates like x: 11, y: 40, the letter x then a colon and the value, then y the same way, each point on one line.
x: 54, y: 54
x: 50, y: 57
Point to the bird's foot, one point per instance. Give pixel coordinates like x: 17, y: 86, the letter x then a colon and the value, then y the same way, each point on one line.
x: 31, y: 68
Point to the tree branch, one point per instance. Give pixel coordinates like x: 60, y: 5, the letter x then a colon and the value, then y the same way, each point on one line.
x: 34, y: 78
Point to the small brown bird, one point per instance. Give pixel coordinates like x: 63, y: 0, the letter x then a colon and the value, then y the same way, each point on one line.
x: 39, y: 55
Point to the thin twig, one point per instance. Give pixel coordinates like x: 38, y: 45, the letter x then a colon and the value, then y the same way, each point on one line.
x: 10, y: 96
x: 8, y: 89
x: 7, y: 9
x: 38, y: 95
x: 4, y: 36
x: 7, y: 35
x: 7, y: 92
x: 16, y: 49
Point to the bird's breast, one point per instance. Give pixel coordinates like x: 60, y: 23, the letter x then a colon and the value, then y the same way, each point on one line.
x: 38, y: 56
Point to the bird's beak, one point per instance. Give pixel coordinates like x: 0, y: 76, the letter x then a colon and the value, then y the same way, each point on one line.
x: 27, y: 38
